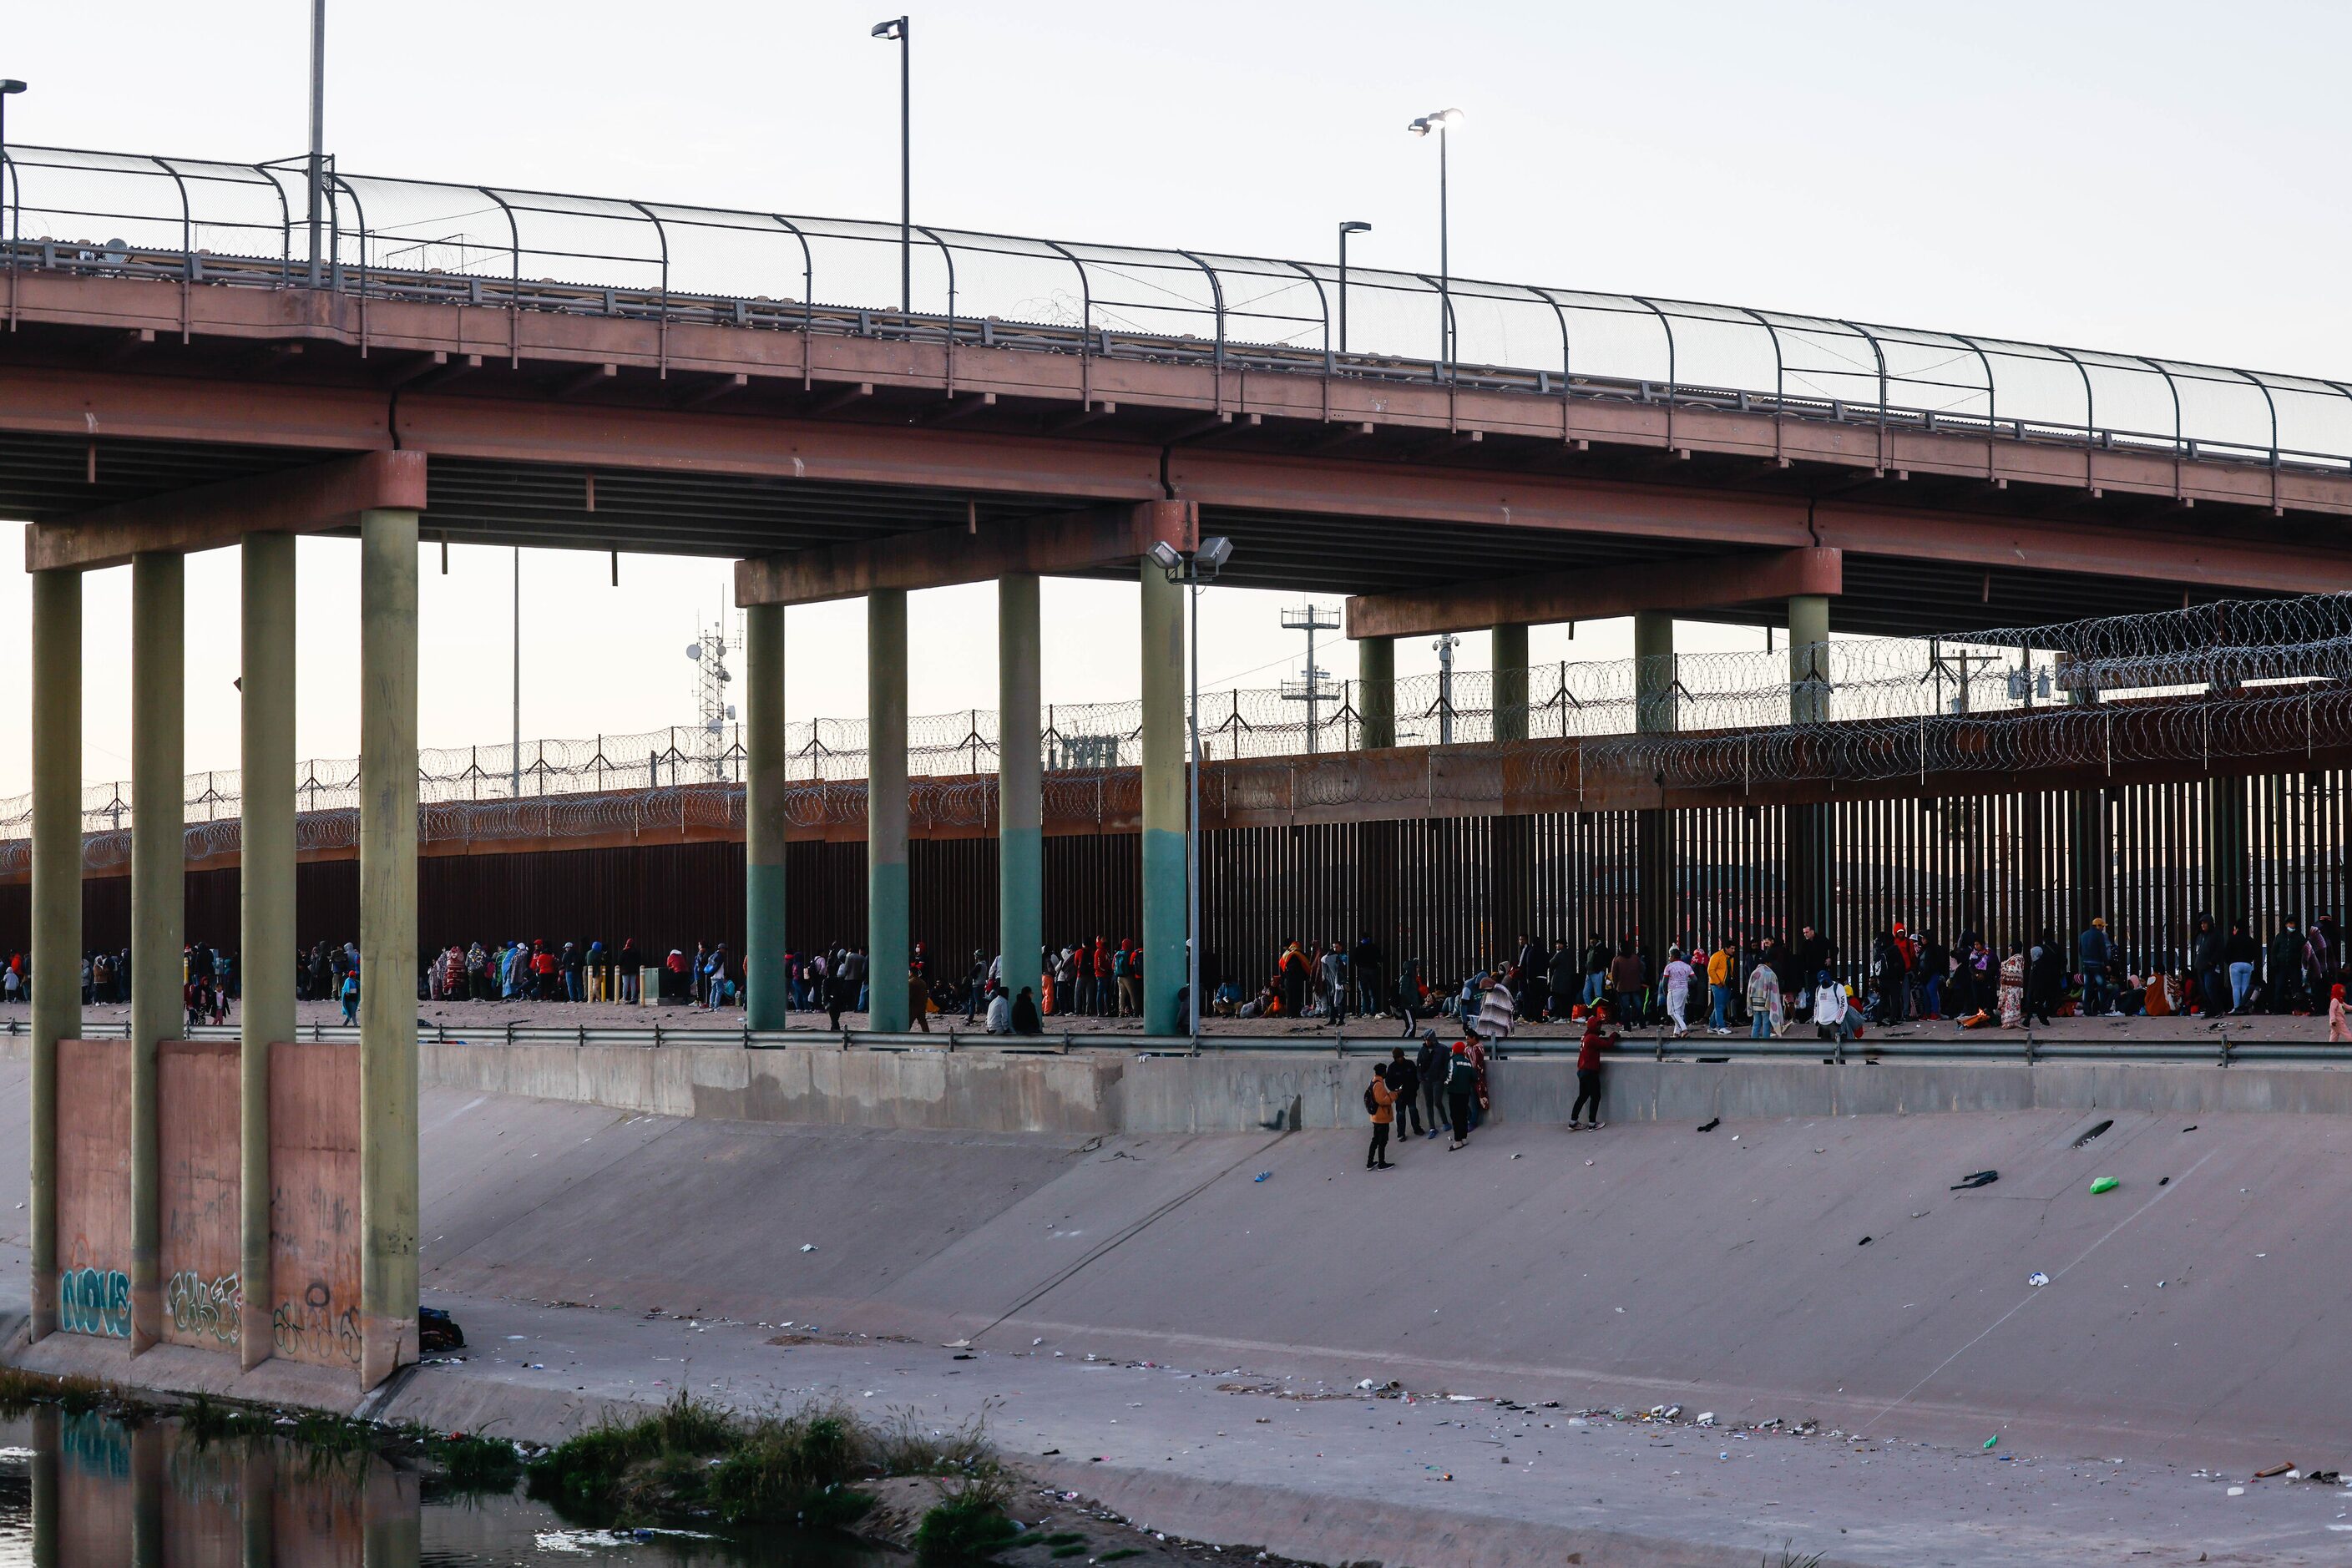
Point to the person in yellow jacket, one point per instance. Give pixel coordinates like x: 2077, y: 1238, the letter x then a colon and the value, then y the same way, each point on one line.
x: 1380, y: 1100
x: 1720, y: 965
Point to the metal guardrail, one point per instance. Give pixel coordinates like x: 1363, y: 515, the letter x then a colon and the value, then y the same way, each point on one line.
x: 2218, y: 1049
x: 199, y: 221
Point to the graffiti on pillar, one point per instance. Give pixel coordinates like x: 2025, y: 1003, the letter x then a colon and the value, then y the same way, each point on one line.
x: 206, y: 1307
x: 312, y: 1330
x: 95, y: 1301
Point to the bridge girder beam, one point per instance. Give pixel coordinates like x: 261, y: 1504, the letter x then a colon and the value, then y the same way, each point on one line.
x: 1748, y: 577
x: 1058, y: 543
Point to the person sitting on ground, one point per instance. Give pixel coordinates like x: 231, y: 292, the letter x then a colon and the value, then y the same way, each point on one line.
x: 1000, y: 1013
x: 1024, y: 1013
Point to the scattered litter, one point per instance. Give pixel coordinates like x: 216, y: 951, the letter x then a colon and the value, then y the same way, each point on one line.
x: 2274, y: 1470
x: 1365, y: 1384
x: 2084, y: 1139
x: 1863, y: 1242
x: 2190, y: 1128
x: 2037, y: 1279
x: 1514, y: 1156
x: 588, y: 1540
x: 2104, y: 1185
x: 1976, y: 1179
x: 808, y: 1246
x: 1262, y: 1175
x: 1707, y: 1417
x: 2164, y: 1181
x: 1711, y: 1126
x: 2325, y: 1477
x: 1734, y: 1138
x: 1991, y: 1440
x: 2237, y: 1492
x: 1034, y: 1344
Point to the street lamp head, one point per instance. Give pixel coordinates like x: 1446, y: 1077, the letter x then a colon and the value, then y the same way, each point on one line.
x: 1353, y: 226
x: 892, y: 29
x: 1167, y: 557
x: 1215, y: 552
x: 10, y: 85
x: 1437, y: 122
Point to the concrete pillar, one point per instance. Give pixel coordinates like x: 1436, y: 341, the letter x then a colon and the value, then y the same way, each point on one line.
x: 1376, y: 691
x: 1020, y: 782
x: 1811, y: 880
x: 158, y: 899
x: 57, y: 899
x: 1163, y: 801
x: 1509, y: 664
x: 266, y: 884
x: 769, y: 996
x: 886, y: 942
x: 48, y: 1450
x: 1654, y: 714
x: 388, y: 1211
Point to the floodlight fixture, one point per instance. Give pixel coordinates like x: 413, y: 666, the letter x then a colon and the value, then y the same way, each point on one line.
x: 1167, y: 557
x: 1215, y: 552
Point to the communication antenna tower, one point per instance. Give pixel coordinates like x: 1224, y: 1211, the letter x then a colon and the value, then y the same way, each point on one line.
x: 713, y: 711
x: 1313, y: 691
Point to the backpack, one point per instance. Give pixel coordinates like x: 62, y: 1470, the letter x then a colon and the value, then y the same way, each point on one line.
x: 1372, y: 1101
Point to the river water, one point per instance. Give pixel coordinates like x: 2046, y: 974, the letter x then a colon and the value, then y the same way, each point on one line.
x: 86, y: 1491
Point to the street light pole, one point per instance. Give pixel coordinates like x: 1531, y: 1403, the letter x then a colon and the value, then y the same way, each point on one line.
x: 1350, y: 226
x: 1441, y: 121
x: 318, y: 129
x: 896, y: 31
x: 1193, y: 568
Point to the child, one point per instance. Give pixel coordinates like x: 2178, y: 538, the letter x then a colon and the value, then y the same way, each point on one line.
x: 2338, y: 1028
x: 351, y: 996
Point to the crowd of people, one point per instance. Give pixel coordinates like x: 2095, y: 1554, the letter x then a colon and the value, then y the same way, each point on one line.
x: 1764, y: 984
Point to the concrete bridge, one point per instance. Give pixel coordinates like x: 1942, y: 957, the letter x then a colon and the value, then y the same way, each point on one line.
x: 178, y: 375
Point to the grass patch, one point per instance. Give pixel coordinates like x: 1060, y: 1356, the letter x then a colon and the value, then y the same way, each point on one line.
x: 476, y: 1464
x: 692, y: 1460
x: 1121, y: 1555
x: 968, y: 1527
x: 21, y: 1390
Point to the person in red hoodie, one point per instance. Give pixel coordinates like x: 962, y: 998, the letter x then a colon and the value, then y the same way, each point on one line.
x: 1596, y: 1039
x: 1106, y: 1001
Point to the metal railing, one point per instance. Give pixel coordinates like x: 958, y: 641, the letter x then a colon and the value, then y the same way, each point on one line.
x: 2218, y: 1049
x: 202, y: 221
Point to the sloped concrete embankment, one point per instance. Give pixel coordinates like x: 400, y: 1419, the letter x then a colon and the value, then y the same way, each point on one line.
x: 1103, y: 1092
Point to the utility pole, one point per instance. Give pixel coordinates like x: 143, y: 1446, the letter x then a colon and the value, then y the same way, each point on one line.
x: 1312, y: 690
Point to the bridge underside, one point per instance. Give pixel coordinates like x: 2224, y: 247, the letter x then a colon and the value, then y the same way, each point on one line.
x: 562, y: 431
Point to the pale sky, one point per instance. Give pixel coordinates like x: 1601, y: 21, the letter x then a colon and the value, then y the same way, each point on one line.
x: 2150, y: 178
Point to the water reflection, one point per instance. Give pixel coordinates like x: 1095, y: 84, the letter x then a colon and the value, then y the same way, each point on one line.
x: 87, y: 1491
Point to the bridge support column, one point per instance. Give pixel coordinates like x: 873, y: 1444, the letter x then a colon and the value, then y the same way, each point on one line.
x: 1811, y: 890
x: 388, y: 1181
x: 1654, y: 714
x: 768, y: 992
x: 886, y: 942
x: 1164, y: 800
x: 265, y: 888
x: 1376, y: 691
x: 158, y: 895
x: 1020, y: 782
x: 56, y: 901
